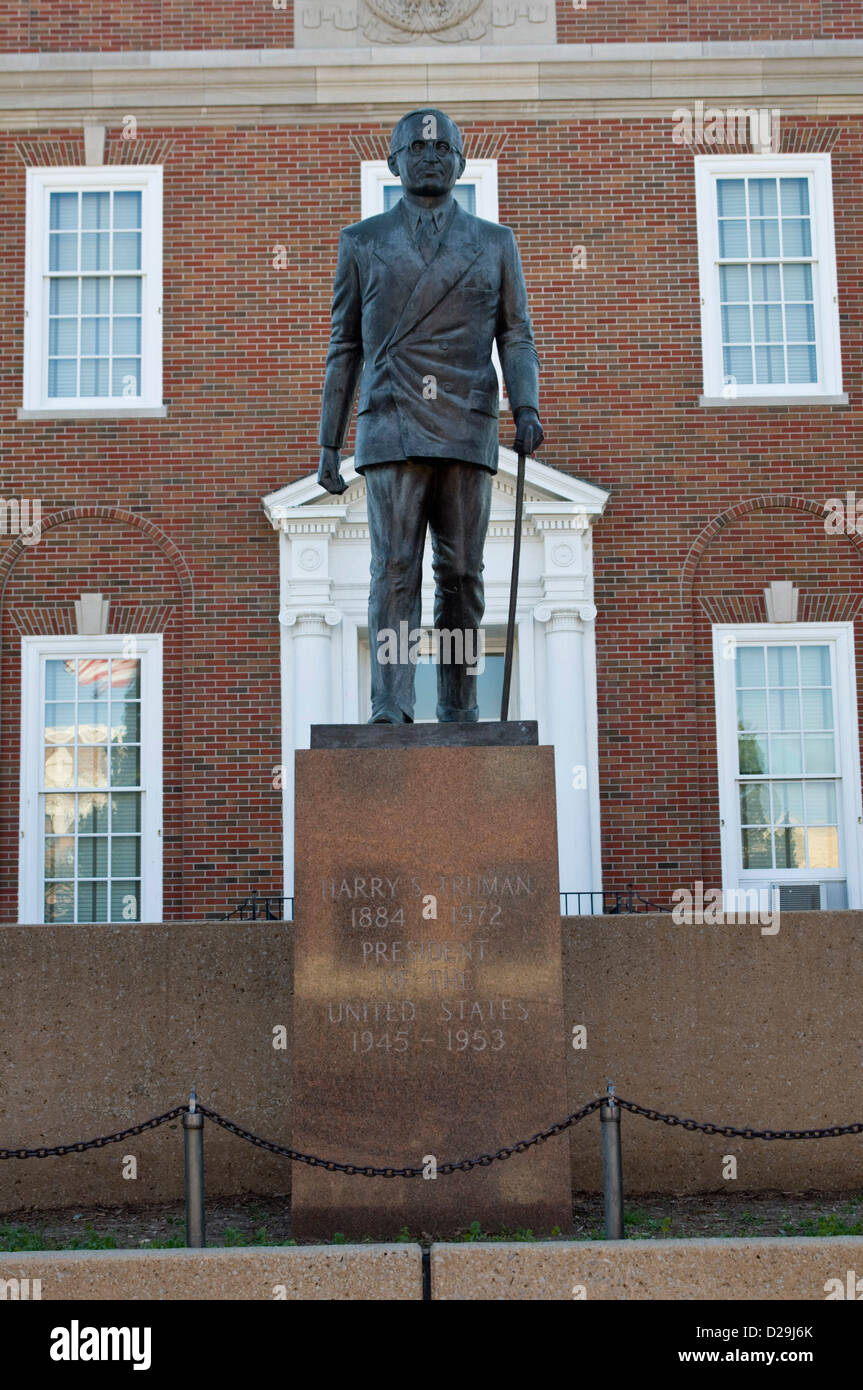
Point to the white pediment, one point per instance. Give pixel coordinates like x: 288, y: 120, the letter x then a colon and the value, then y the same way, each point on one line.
x: 547, y: 492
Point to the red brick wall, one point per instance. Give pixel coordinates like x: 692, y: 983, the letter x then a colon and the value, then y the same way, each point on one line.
x: 44, y: 26
x: 666, y: 21
x: 621, y: 373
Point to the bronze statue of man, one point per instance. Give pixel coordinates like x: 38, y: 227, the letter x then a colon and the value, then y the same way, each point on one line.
x: 422, y: 293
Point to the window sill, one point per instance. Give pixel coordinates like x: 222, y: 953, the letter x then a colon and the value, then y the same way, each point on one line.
x: 730, y: 402
x: 134, y: 412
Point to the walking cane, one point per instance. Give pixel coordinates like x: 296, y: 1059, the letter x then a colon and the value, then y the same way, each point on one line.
x: 513, y: 590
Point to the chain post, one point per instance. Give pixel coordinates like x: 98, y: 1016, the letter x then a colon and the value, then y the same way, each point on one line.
x: 612, y: 1166
x: 193, y: 1164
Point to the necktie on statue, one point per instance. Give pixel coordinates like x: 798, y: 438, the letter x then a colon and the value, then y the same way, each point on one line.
x: 427, y: 237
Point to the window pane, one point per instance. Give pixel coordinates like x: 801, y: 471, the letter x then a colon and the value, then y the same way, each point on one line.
x: 756, y: 849
x: 62, y: 377
x: 814, y: 665
x: 63, y: 211
x: 767, y: 321
x: 820, y: 754
x: 764, y: 235
x: 92, y: 902
x: 751, y: 709
x: 126, y: 376
x: 750, y: 666
x: 824, y: 847
x: 788, y: 803
x: 63, y: 298
x: 125, y: 721
x: 785, y: 754
x: 95, y: 338
x: 796, y: 238
x: 731, y: 197
x: 95, y: 210
x: 821, y: 803
x: 802, y: 364
x: 59, y: 767
x: 735, y: 324
x: 92, y: 856
x: 127, y: 295
x: 799, y: 323
x: 59, y: 813
x: 782, y: 665
x: 769, y: 365
x: 95, y: 251
x: 59, y: 723
x: 96, y: 294
x: 59, y: 857
x: 752, y: 754
x: 94, y: 376
x: 755, y: 804
x: 125, y: 855
x: 127, y: 250
x: 93, y: 723
x: 765, y: 283
x: 733, y: 283
x: 762, y: 198
x: 125, y: 766
x: 63, y: 337
x: 92, y: 813
x: 125, y: 902
x: 790, y: 849
x: 125, y: 812
x: 59, y: 902
x: 127, y: 336
x: 797, y: 281
x: 732, y: 239
x: 817, y: 709
x: 127, y: 209
x: 93, y: 767
x: 784, y: 709
x: 795, y: 196
x: 737, y: 363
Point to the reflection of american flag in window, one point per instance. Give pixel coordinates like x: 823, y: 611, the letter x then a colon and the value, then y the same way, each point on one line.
x: 94, y: 671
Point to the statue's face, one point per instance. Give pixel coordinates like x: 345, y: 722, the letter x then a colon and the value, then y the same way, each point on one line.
x: 428, y: 162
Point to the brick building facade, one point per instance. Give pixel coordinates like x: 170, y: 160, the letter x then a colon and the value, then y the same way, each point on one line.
x: 174, y: 179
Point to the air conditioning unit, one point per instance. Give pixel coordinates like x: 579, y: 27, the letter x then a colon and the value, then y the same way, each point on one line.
x: 808, y: 897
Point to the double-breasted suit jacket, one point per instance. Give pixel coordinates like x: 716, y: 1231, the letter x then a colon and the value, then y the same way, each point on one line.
x: 418, y: 339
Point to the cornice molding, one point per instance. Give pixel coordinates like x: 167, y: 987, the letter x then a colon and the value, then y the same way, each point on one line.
x: 821, y: 77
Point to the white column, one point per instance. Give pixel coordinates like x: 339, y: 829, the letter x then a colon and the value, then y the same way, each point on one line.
x: 311, y: 671
x: 570, y: 704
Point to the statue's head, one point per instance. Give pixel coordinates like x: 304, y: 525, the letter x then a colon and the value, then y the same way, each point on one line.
x: 426, y: 152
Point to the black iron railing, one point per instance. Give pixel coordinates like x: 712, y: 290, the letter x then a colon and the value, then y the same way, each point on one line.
x: 275, y: 907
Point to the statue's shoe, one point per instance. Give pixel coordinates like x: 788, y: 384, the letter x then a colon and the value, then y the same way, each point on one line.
x: 388, y: 716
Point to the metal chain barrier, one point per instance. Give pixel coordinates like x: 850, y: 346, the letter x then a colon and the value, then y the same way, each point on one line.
x: 59, y: 1149
x: 462, y: 1165
x: 730, y: 1132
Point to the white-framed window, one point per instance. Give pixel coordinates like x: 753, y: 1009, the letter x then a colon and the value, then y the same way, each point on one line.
x: 476, y: 190
x: 93, y: 299
x: 767, y: 268
x: 789, y: 761
x: 91, y: 779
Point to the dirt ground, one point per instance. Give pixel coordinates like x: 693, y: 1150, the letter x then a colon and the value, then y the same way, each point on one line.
x: 266, y: 1221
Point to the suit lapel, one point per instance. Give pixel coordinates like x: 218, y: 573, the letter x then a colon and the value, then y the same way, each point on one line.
x: 458, y: 250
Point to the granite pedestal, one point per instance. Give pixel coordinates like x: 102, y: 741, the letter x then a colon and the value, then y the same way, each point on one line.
x: 428, y: 1022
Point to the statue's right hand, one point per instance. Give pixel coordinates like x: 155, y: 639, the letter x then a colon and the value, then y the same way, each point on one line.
x: 329, y: 476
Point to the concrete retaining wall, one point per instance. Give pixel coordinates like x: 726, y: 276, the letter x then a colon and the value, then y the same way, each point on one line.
x: 772, y: 1269
x: 107, y: 1025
